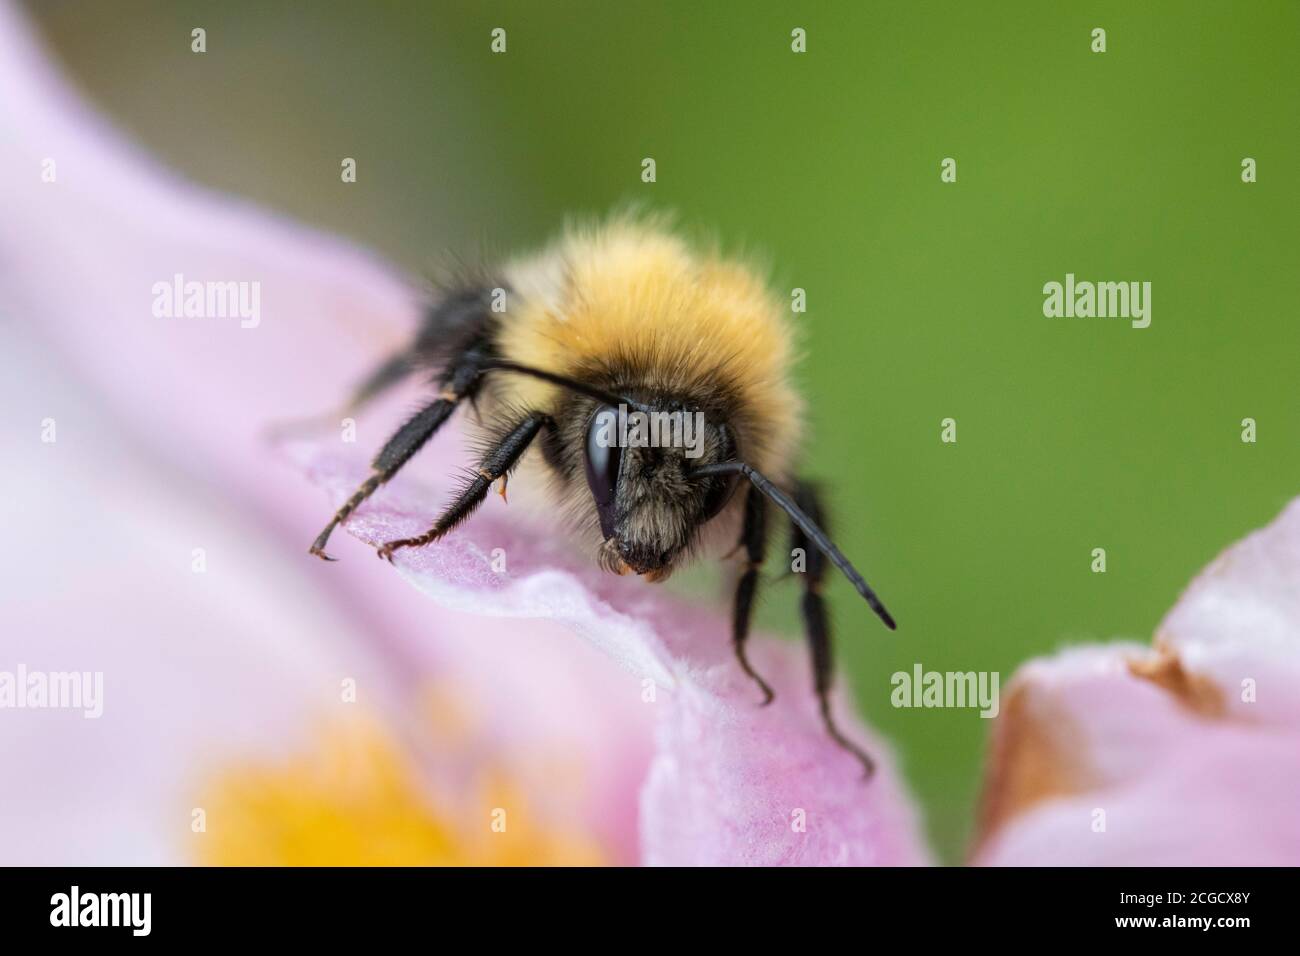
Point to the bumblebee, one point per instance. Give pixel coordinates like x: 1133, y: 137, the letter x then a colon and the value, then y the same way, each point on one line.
x: 627, y: 317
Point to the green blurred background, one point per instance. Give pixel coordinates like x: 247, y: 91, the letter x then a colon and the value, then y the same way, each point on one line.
x: 924, y: 298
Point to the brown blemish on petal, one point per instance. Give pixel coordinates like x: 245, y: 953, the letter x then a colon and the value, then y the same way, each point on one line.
x: 1038, y: 753
x: 1034, y: 755
x: 1165, y: 670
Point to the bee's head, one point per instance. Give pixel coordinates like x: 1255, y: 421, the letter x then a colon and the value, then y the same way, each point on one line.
x: 639, y: 464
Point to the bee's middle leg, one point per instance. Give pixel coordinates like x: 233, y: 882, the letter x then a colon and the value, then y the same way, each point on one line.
x: 460, y: 382
x: 503, y: 456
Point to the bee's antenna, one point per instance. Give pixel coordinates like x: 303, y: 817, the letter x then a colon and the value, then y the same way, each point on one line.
x: 806, y: 525
x: 582, y: 388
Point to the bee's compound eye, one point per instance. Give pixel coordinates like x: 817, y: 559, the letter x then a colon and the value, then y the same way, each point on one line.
x: 604, y: 456
x: 718, y: 495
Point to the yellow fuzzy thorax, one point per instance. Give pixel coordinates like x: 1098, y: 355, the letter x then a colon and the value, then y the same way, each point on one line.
x: 682, y: 317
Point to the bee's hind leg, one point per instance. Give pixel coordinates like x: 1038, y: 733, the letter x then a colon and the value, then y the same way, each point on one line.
x: 753, y: 538
x: 816, y: 626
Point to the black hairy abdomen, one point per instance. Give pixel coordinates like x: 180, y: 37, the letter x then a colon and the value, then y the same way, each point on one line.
x: 458, y: 325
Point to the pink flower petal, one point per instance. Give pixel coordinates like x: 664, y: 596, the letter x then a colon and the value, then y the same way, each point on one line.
x: 97, y: 576
x: 731, y: 783
x: 83, y: 255
x: 1185, y: 754
x: 1240, y: 621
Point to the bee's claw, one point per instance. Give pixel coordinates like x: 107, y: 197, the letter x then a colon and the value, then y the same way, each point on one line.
x: 386, y: 550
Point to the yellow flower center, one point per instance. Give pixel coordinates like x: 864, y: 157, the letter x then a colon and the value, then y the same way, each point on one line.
x: 356, y: 798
